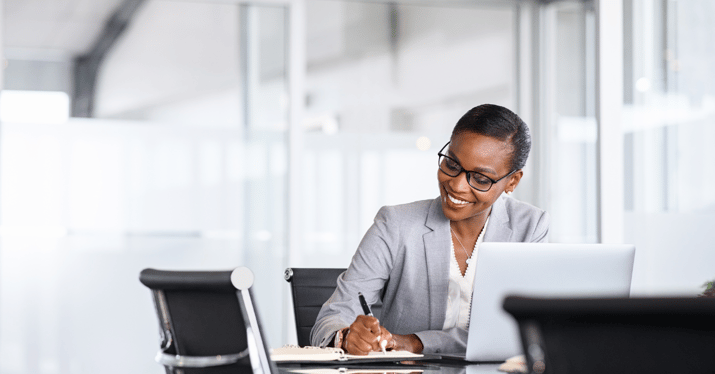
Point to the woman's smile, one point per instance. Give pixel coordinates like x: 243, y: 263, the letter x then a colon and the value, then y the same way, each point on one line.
x: 455, y: 200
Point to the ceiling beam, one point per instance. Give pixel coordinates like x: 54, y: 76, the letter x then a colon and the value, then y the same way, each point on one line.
x: 86, y: 66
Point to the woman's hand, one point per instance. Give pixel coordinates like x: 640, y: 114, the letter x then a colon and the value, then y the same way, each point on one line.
x: 366, y: 335
x: 410, y: 343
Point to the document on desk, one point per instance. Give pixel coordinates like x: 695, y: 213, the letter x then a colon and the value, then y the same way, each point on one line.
x: 342, y: 370
x: 316, y: 354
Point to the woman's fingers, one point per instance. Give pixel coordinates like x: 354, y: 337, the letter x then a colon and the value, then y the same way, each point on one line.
x: 355, y: 345
x: 387, y: 340
x: 364, y: 336
x: 358, y: 344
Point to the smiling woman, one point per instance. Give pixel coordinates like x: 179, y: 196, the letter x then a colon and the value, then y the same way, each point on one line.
x: 408, y: 258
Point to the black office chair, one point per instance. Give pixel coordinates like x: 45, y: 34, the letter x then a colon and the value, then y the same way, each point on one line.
x: 311, y: 288
x: 655, y: 335
x: 207, y: 322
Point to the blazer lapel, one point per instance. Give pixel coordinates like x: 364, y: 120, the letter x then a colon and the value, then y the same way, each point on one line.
x: 437, y: 247
x: 499, y: 227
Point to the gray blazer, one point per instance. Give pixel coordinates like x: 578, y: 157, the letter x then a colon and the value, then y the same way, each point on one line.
x: 403, y: 259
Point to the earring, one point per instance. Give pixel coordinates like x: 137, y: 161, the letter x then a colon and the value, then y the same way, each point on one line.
x: 509, y: 192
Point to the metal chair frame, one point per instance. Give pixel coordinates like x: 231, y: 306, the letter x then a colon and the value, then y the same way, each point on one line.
x: 241, y: 281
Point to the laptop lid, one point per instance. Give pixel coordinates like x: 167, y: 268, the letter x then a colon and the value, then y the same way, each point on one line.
x: 537, y: 270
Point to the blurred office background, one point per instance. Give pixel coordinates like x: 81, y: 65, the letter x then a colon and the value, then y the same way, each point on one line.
x: 208, y: 134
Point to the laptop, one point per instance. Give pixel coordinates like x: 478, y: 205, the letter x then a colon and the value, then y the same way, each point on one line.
x: 537, y: 270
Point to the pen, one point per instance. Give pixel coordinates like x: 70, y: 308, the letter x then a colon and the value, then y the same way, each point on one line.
x: 365, y: 307
x: 368, y: 312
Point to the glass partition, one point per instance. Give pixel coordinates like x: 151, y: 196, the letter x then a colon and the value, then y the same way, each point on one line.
x: 669, y: 121
x: 183, y: 167
x: 569, y: 129
x: 186, y: 164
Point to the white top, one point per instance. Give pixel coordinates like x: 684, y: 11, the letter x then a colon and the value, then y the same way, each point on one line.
x: 459, y: 298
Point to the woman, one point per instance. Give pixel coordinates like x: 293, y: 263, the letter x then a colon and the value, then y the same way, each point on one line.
x: 419, y: 257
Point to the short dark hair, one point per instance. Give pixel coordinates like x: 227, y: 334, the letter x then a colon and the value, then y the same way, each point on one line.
x: 501, y: 123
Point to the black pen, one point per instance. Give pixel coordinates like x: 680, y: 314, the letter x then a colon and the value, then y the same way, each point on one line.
x: 365, y: 307
x: 368, y: 312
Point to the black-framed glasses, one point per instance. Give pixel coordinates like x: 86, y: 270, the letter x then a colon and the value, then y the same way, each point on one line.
x: 476, y: 180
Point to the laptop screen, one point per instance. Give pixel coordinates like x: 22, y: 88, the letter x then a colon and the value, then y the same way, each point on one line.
x: 537, y: 270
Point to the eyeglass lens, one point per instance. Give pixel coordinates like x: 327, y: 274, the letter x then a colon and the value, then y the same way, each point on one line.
x: 453, y: 168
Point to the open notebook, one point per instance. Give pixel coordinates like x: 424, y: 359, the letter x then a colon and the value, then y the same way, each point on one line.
x: 295, y: 354
x: 357, y: 370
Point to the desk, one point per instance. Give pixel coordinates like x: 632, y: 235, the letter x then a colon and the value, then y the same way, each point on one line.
x: 431, y: 367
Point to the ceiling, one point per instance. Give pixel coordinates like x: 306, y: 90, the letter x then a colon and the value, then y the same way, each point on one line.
x: 52, y: 29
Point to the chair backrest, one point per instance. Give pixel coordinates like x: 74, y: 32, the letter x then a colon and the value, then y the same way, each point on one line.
x: 311, y: 288
x: 203, y: 321
x: 655, y: 335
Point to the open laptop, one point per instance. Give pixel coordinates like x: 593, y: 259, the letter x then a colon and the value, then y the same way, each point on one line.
x: 537, y: 270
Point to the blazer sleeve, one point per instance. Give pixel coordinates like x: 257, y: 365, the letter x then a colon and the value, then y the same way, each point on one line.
x: 368, y: 272
x: 452, y: 340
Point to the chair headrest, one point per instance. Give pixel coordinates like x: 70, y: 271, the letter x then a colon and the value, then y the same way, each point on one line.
x: 187, y: 280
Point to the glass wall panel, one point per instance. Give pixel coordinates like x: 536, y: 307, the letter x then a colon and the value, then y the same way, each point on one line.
x: 385, y: 85
x: 184, y: 167
x: 265, y: 205
x: 569, y: 130
x: 669, y: 124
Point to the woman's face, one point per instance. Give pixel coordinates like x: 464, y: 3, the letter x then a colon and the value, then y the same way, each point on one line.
x: 483, y: 154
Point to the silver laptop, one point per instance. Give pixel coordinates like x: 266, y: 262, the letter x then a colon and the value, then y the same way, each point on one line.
x: 539, y: 270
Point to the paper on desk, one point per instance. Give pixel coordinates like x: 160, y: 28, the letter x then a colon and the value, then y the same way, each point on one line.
x: 516, y: 364
x: 317, y: 354
x: 355, y: 371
